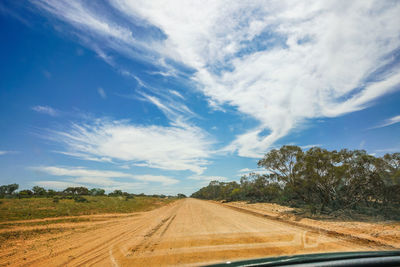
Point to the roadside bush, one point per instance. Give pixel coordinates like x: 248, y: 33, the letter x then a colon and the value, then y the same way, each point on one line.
x: 80, y: 199
x: 80, y: 191
x: 8, y: 190
x: 97, y: 192
x: 129, y: 197
x: 115, y: 193
x: 25, y: 194
x: 319, y: 181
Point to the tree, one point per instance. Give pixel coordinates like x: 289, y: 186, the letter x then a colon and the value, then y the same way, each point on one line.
x: 82, y: 191
x: 392, y: 168
x: 8, y: 189
x: 69, y: 191
x: 362, y: 180
x: 38, y: 191
x: 282, y: 163
x: 181, y: 195
x: 97, y: 192
x: 25, y: 193
x: 254, y: 186
x: 321, y: 174
x: 51, y: 193
x: 234, y: 195
x: 116, y: 193
x: 318, y: 179
x: 76, y: 191
x: 227, y: 189
x: 216, y: 190
x: 391, y: 178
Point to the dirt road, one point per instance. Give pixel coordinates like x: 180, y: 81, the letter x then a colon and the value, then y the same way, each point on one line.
x: 186, y: 232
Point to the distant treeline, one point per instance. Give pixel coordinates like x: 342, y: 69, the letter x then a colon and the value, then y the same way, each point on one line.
x: 10, y: 191
x: 322, y: 181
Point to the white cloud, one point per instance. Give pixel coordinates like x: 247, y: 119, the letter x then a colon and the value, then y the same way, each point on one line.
x: 105, y: 184
x: 80, y: 172
x: 5, y: 152
x: 46, y: 110
x: 246, y: 171
x: 156, y: 178
x: 177, y: 147
x: 174, y: 110
x: 85, y: 156
x: 204, y: 180
x: 102, y: 93
x: 316, y: 57
x: 176, y: 93
x: 57, y: 185
x: 96, y: 30
x: 388, y: 122
x: 280, y: 62
x: 102, y: 177
x: 388, y: 150
x: 362, y: 144
x: 208, y: 178
x: 310, y: 146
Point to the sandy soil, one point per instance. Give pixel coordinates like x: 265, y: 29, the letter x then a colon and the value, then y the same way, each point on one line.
x: 186, y: 232
x: 385, y: 233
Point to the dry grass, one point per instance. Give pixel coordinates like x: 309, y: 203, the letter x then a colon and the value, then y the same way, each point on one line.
x: 37, y: 208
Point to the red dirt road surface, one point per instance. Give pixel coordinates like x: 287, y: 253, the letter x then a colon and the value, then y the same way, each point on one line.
x: 185, y: 232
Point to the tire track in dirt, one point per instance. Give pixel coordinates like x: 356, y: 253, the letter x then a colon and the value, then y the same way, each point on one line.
x: 186, y: 232
x: 142, y: 230
x: 168, y: 225
x: 99, y: 255
x: 147, y: 238
x: 356, y: 239
x: 63, y: 251
x: 148, y: 242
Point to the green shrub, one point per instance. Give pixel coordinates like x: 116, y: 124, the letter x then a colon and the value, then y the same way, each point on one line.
x: 80, y: 199
x: 129, y: 197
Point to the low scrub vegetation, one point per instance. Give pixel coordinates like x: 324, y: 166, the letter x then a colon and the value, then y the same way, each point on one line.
x: 33, y: 208
x: 76, y: 193
x: 27, y: 234
x: 320, y: 181
x: 41, y: 203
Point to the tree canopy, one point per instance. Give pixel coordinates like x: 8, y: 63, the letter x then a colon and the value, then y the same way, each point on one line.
x: 320, y: 179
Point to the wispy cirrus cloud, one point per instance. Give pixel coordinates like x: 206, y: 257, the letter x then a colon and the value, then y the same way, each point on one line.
x: 203, y: 180
x: 279, y: 62
x: 80, y: 175
x: 310, y: 146
x: 176, y: 93
x: 102, y: 93
x: 247, y: 171
x: 5, y: 152
x: 208, y: 178
x: 99, y: 30
x: 46, y: 110
x: 57, y: 185
x: 177, y: 147
x: 388, y: 122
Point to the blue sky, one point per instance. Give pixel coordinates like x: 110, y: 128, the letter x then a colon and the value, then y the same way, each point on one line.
x: 163, y: 96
